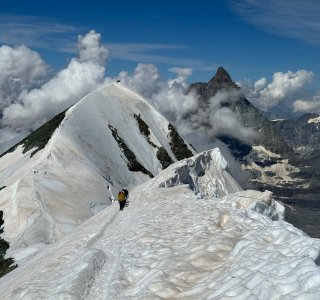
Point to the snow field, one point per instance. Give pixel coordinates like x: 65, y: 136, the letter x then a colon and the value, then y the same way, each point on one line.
x: 175, y: 243
x: 49, y: 195
x: 189, y: 233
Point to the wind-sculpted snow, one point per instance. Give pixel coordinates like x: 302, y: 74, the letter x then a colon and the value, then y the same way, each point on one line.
x: 206, y: 174
x: 169, y: 243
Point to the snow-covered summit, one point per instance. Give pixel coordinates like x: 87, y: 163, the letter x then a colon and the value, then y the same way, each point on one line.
x: 177, y: 240
x: 110, y: 139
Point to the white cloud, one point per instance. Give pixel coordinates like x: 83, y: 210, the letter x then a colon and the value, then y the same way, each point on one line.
x: 221, y: 120
x: 171, y: 97
x: 21, y: 68
x: 70, y: 84
x: 49, y: 34
x: 182, y: 73
x: 145, y: 80
x: 90, y: 48
x: 31, y: 107
x: 308, y: 106
x: 285, y: 88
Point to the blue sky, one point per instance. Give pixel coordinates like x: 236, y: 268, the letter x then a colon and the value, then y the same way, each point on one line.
x: 269, y: 47
x: 251, y: 39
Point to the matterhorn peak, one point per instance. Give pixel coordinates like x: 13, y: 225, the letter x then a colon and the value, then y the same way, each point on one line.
x: 222, y: 79
x: 222, y: 76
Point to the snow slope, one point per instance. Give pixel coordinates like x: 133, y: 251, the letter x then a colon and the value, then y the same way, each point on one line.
x: 49, y: 194
x: 178, y: 241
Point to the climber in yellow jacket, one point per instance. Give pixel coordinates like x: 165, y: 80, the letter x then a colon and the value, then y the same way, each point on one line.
x: 122, y: 199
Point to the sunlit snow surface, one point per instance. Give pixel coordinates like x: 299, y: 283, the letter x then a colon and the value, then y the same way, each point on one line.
x: 50, y: 194
x: 177, y: 243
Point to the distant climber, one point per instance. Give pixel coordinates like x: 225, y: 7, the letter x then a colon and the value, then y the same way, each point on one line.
x: 122, y: 199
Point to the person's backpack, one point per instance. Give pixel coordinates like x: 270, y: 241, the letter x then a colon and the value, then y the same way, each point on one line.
x: 121, y: 196
x: 126, y: 192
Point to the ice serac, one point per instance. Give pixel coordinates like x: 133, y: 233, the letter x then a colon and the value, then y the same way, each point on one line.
x: 206, y: 174
x: 109, y: 140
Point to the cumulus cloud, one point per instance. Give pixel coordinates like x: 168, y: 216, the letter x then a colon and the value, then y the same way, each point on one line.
x: 90, y: 48
x: 285, y: 88
x: 308, y: 106
x: 38, y: 98
x: 82, y: 75
x: 21, y: 69
x: 181, y: 107
x: 218, y: 119
x: 145, y: 80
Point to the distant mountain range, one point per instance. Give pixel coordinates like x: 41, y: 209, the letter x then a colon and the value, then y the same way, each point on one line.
x: 285, y: 154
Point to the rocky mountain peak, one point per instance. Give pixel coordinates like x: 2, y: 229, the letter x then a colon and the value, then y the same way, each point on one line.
x: 221, y: 79
x: 221, y: 76
x: 205, y: 90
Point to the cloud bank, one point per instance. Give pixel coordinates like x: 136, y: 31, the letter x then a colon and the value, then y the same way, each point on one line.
x: 29, y: 96
x: 171, y: 97
x: 83, y: 74
x: 21, y: 69
x: 284, y: 89
x: 308, y: 106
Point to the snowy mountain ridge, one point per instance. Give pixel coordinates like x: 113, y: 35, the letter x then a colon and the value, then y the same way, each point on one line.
x: 110, y: 139
x: 189, y: 232
x: 172, y: 242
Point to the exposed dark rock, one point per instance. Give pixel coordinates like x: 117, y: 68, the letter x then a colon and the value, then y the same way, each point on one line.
x: 144, y: 129
x: 238, y: 149
x: 270, y: 173
x: 162, y: 154
x: 300, y: 133
x: 133, y: 164
x: 265, y: 163
x: 40, y: 137
x: 164, y: 158
x: 177, y: 144
x: 317, y: 261
x: 221, y: 81
x: 304, y: 218
x: 2, y: 187
x: 267, y: 134
x: 255, y: 174
x: 249, y: 115
x: 6, y: 264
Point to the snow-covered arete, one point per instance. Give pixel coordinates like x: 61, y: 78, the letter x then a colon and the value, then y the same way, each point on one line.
x: 177, y: 240
x: 49, y: 194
